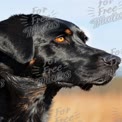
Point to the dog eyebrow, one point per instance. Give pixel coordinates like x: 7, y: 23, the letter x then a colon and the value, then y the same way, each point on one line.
x: 68, y: 31
x: 32, y: 61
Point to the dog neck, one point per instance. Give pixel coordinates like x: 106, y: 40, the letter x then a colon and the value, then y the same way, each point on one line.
x: 33, y: 105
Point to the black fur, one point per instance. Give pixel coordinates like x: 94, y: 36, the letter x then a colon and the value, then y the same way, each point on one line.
x: 34, y: 67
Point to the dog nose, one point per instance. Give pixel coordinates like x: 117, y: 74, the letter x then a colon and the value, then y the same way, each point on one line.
x: 111, y: 60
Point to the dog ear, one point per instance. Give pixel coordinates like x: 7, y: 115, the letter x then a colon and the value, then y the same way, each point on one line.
x: 14, y: 42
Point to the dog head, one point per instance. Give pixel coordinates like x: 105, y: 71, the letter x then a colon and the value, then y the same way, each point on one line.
x: 56, y: 52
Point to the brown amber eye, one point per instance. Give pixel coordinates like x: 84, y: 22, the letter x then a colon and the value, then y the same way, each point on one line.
x: 60, y: 39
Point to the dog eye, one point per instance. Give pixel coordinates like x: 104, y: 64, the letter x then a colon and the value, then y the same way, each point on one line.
x: 59, y: 39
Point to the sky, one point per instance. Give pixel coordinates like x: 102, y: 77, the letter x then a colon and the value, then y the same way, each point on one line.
x: 100, y: 19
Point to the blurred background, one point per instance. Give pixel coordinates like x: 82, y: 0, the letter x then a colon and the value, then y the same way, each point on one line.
x: 102, y: 22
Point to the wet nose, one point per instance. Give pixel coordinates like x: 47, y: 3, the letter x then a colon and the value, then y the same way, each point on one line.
x: 111, y: 60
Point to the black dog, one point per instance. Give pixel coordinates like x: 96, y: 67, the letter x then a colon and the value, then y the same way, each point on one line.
x: 40, y: 55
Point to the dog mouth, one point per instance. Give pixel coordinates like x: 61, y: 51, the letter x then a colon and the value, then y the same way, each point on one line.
x: 85, y: 87
x: 98, y: 82
x: 104, y: 79
x: 101, y: 79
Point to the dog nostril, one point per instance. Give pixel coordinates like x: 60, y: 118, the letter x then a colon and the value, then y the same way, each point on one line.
x: 112, y: 60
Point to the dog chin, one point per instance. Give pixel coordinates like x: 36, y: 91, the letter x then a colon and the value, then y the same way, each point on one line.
x: 86, y: 87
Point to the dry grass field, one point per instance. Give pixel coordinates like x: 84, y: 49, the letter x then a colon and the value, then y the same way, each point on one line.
x: 101, y: 104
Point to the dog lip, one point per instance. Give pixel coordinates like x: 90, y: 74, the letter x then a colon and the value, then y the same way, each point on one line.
x: 65, y: 84
x: 102, y: 81
x: 85, y: 87
x: 105, y: 78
